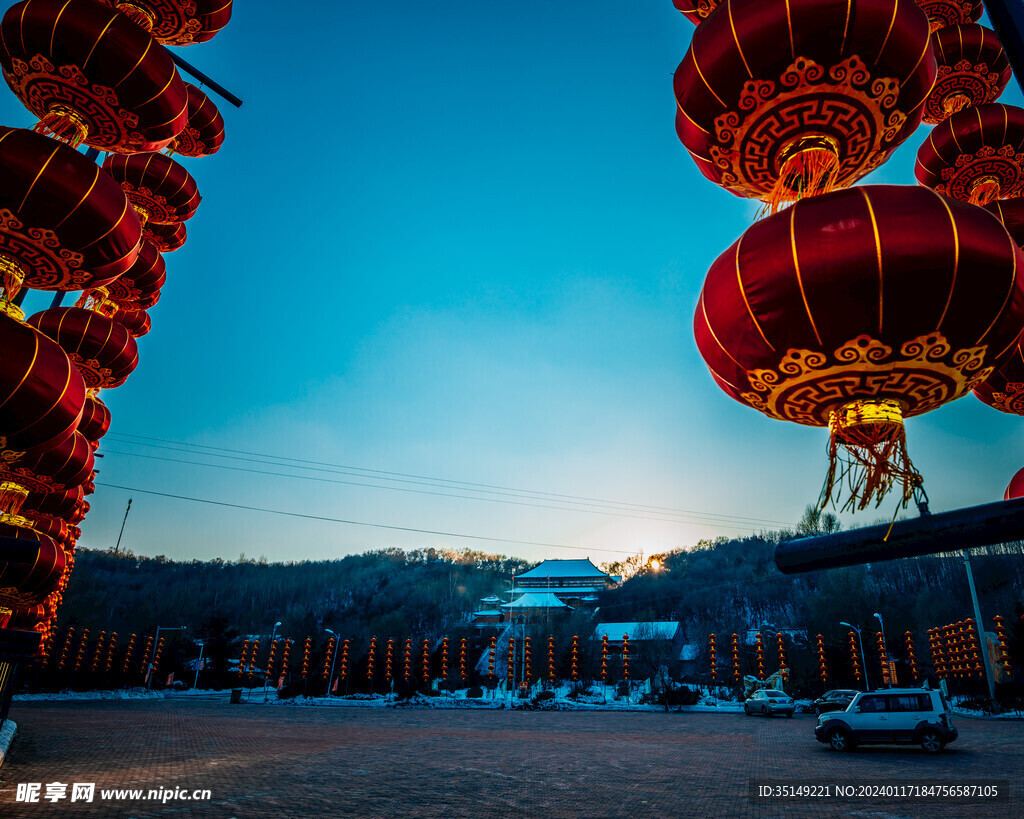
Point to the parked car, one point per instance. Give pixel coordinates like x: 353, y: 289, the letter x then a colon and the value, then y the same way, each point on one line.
x: 769, y: 701
x: 836, y: 700
x: 894, y: 715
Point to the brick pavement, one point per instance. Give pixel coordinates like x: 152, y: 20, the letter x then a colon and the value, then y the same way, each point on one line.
x: 263, y: 761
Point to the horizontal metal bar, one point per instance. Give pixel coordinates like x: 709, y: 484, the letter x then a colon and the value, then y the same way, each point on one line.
x: 966, y: 528
x: 188, y: 68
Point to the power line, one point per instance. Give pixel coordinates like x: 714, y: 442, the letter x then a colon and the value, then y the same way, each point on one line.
x: 678, y: 520
x: 359, y: 522
x: 402, y: 477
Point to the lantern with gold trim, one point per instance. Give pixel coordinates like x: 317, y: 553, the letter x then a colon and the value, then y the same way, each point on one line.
x: 148, y: 648
x: 343, y: 664
x: 91, y: 75
x: 97, y: 652
x: 551, y: 661
x: 883, y: 658
x: 444, y: 659
x: 604, y: 657
x: 942, y: 13
x: 165, y: 238
x: 972, y: 70
x: 141, y: 281
x: 1004, y: 654
x: 696, y: 11
x: 1003, y: 390
x: 1011, y: 213
x: 822, y: 665
x: 782, y: 650
x: 388, y: 658
x: 80, y: 656
x: 782, y: 99
x: 370, y: 658
x: 407, y: 664
x: 575, y: 659
x: 855, y: 657
x: 426, y: 662
x: 103, y: 350
x: 834, y: 313
x: 95, y: 422
x: 65, y: 650
x: 908, y: 638
x: 307, y: 647
x: 527, y: 664
x: 159, y: 188
x: 712, y: 658
x: 976, y: 155
x: 625, y: 657
x: 462, y: 659
x: 126, y: 663
x: 176, y: 22
x: 510, y: 663
x: 204, y: 133
x: 759, y: 654
x: 136, y: 322
x: 737, y: 671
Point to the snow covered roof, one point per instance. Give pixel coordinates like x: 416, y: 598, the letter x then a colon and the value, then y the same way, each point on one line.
x: 564, y: 568
x: 659, y: 630
x: 487, y: 613
x: 561, y: 591
x: 490, y: 599
x: 535, y: 601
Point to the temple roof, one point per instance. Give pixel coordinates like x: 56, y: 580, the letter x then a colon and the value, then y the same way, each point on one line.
x: 563, y: 568
x: 535, y: 601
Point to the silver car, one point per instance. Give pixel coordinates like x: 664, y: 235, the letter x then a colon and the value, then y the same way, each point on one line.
x: 769, y: 701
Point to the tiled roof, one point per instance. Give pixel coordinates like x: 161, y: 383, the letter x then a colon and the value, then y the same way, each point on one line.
x: 564, y: 568
x: 535, y: 601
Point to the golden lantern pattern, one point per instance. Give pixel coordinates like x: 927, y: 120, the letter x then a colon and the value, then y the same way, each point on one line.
x: 908, y: 638
x: 551, y: 660
x: 65, y: 649
x: 510, y: 669
x: 782, y: 650
x: 1004, y: 654
x: 462, y: 659
x: 737, y: 672
x: 306, y: 647
x: 625, y: 657
x: 604, y: 658
x: 883, y: 659
x: 325, y: 672
x: 822, y: 665
x: 97, y: 652
x: 111, y: 644
x: 426, y: 662
x: 490, y: 658
x: 444, y: 658
x: 858, y: 673
x: 527, y: 674
x: 759, y: 654
x: 128, y: 654
x: 370, y: 658
x: 713, y: 658
x: 388, y: 658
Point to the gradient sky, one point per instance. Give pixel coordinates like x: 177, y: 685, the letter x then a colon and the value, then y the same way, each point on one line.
x: 461, y: 241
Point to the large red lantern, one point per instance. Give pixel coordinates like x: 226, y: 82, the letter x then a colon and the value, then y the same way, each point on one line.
x: 31, y: 565
x: 142, y: 280
x: 95, y: 419
x: 973, y: 70
x: 159, y: 188
x: 942, y: 13
x: 136, y: 322
x: 204, y: 133
x: 695, y: 10
x: 1004, y: 389
x: 165, y: 238
x: 41, y: 392
x: 1011, y: 213
x: 1015, y: 488
x: 976, y: 156
x: 177, y: 22
x: 64, y: 224
x: 102, y: 349
x: 92, y: 75
x: 65, y: 466
x: 61, y: 504
x: 781, y: 99
x: 835, y: 313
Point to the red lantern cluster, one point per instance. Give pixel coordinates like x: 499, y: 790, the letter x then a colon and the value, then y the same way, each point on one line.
x: 759, y: 654
x: 911, y: 655
x: 388, y: 659
x: 325, y: 672
x: 625, y: 657
x: 426, y: 662
x: 128, y: 655
x: 65, y: 649
x: 527, y: 672
x: 1004, y: 654
x: 268, y: 672
x: 737, y: 671
x: 552, y: 675
x: 343, y: 660
x: 462, y: 660
x: 604, y: 658
x: 510, y: 670
x: 883, y: 658
x: 822, y: 665
x: 956, y: 651
x: 282, y: 674
x: 575, y: 668
x: 782, y: 650
x: 858, y: 674
x: 713, y: 658
x: 370, y: 658
x: 306, y: 648
x: 491, y: 658
x: 444, y: 658
x: 407, y: 666
x: 97, y: 652
x: 81, y: 650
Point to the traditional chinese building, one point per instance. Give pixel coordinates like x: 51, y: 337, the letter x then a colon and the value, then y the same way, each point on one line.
x: 557, y: 585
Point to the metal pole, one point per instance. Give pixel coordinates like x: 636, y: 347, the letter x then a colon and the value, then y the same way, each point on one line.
x: 118, y: 546
x: 156, y: 642
x: 979, y: 626
x: 334, y: 659
x: 863, y: 660
x: 270, y: 651
x: 188, y: 68
x: 199, y: 664
x: 1007, y: 17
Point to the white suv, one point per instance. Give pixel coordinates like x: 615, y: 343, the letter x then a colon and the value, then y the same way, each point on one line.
x: 900, y: 715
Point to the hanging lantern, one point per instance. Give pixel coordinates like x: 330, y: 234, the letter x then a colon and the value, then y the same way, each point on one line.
x: 63, y: 467
x: 883, y: 657
x: 204, y: 133
x: 759, y: 654
x: 911, y: 657
x: 62, y: 504
x: 625, y: 657
x: 782, y: 650
x: 407, y: 667
x: 159, y: 188
x: 126, y: 664
x: 91, y: 75
x: 835, y: 314
x: 713, y: 658
x: 695, y: 10
x: 551, y: 660
x: 976, y: 155
x: 252, y: 654
x: 103, y: 350
x: 510, y: 663
x: 97, y: 652
x: 426, y: 662
x: 64, y: 224
x: 283, y: 673
x: 822, y: 666
x: 388, y: 657
x: 1003, y: 390
x: 136, y: 322
x: 942, y: 13
x: 328, y: 654
x: 269, y: 671
x: 973, y: 70
x: 1011, y: 213
x: 527, y: 673
x: 737, y: 671
x: 370, y: 659
x: 777, y: 103
x: 165, y: 238
x: 95, y: 419
x: 604, y: 658
x: 81, y: 650
x: 490, y: 658
x: 65, y: 649
x: 575, y: 658
x: 176, y: 22
x: 462, y: 659
x: 855, y: 657
x: 444, y: 658
x: 31, y: 564
x: 1004, y: 654
x: 306, y: 649
x: 141, y: 281
x: 149, y: 647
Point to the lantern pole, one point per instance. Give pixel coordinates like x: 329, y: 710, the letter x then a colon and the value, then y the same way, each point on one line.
x: 979, y: 628
x: 334, y: 659
x: 188, y: 68
x: 123, y: 522
x: 1007, y: 18
x: 863, y: 659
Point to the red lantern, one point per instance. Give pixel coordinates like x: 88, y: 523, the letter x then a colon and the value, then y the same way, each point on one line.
x: 103, y: 350
x: 782, y: 650
x: 625, y: 657
x: 527, y: 673
x: 165, y: 238
x: 1015, y: 488
x: 388, y: 657
x: 159, y: 188
x: 204, y: 133
x: 62, y: 504
x: 306, y: 649
x: 604, y: 658
x: 836, y: 313
x: 95, y: 419
x: 136, y: 322
x: 491, y: 657
x: 41, y: 393
x: 822, y: 666
x: 695, y: 10
x: 855, y: 657
x: 942, y: 13
x: 973, y: 70
x: 177, y: 22
x: 551, y: 660
x: 1011, y: 213
x: 510, y: 663
x: 781, y: 99
x: 737, y: 672
x: 1003, y: 390
x: 65, y: 466
x: 976, y: 155
x: 713, y: 658
x: 426, y: 661
x: 91, y: 75
x: 370, y: 658
x: 462, y: 659
x: 575, y: 657
x: 141, y: 281
x: 759, y: 654
x: 64, y: 224
x: 126, y: 664
x: 444, y: 658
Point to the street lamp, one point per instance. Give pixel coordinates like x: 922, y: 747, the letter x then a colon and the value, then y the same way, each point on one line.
x: 199, y: 662
x: 863, y: 659
x: 334, y: 658
x: 270, y: 650
x: 156, y: 645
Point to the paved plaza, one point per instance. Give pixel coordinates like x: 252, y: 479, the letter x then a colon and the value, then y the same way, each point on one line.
x: 267, y: 761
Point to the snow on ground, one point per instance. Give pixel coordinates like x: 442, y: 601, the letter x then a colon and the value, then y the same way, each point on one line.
x: 69, y: 696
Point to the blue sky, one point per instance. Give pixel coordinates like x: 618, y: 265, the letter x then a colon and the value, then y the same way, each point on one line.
x: 461, y: 241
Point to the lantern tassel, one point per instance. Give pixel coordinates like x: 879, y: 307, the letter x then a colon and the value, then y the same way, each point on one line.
x: 984, y: 191
x: 809, y: 170
x: 955, y: 102
x: 64, y: 124
x: 867, y: 451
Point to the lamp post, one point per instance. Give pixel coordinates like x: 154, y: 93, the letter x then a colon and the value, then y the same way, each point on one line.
x: 156, y: 642
x: 334, y: 659
x: 270, y: 652
x: 863, y: 659
x: 199, y: 663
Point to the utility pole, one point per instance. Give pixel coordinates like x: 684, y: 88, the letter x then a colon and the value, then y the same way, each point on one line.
x: 123, y: 522
x: 980, y: 628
